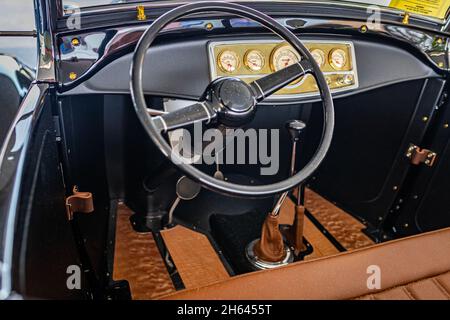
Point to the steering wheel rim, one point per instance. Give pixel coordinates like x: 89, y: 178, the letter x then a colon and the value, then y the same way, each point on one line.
x: 206, y: 180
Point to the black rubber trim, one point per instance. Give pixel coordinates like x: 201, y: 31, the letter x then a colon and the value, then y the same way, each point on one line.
x: 172, y: 271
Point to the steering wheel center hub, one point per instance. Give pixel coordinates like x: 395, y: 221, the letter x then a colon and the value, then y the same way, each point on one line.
x: 233, y: 100
x: 236, y: 95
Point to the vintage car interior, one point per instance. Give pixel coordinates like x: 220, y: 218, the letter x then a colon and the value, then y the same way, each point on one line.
x: 359, y: 98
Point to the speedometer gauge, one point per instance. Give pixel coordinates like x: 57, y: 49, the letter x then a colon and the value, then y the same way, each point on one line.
x: 254, y: 60
x: 283, y: 57
x: 228, y: 61
x: 338, y: 59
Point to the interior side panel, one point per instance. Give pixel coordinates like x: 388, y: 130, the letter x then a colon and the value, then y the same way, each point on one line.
x: 47, y: 247
x: 434, y: 210
x: 366, y: 164
x: 424, y: 205
x: 83, y: 138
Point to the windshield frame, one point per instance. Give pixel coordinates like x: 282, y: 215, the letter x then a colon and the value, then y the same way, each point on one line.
x: 98, y: 9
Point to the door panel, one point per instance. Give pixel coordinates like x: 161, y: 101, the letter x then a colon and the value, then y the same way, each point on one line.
x: 44, y: 247
x: 425, y: 204
x: 366, y: 164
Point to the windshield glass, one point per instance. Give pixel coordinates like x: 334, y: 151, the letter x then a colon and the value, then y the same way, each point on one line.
x: 430, y: 8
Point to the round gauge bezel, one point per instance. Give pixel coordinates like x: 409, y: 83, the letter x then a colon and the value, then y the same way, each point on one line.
x: 322, y: 53
x: 272, y: 62
x: 279, y: 48
x: 331, y: 62
x: 246, y: 63
x: 219, y: 63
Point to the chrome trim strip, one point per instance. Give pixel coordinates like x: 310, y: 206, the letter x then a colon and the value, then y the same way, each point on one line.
x: 207, y: 111
x: 303, y: 69
x: 260, y: 89
x: 46, y: 55
x: 162, y: 121
x: 155, y: 112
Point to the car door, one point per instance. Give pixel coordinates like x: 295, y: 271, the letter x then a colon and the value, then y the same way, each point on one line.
x: 38, y: 252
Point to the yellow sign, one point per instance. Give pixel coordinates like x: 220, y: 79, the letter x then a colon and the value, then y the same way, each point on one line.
x: 433, y: 8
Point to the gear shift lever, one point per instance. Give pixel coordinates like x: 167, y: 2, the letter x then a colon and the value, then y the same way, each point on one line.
x: 295, y: 128
x: 270, y: 251
x: 295, y: 233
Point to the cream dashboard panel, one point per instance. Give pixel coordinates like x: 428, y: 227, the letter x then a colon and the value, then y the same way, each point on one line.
x: 252, y: 59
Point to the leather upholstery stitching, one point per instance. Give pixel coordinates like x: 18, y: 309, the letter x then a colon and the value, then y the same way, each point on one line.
x: 409, y: 293
x: 441, y: 287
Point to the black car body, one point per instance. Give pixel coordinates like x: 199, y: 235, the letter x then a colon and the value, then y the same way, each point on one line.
x: 76, y: 127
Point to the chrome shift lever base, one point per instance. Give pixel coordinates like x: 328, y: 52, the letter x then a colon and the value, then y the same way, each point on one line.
x: 259, y: 264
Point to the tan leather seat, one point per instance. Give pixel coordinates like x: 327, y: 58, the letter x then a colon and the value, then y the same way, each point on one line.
x: 412, y: 268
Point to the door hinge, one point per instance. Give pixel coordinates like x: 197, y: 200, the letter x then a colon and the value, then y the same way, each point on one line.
x: 418, y: 155
x: 81, y: 202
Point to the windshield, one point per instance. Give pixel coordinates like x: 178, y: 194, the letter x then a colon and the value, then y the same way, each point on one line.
x: 430, y: 8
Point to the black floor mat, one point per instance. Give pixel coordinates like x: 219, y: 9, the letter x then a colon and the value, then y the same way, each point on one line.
x: 233, y: 232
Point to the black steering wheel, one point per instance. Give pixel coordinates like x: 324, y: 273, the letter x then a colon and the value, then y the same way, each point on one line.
x: 230, y: 101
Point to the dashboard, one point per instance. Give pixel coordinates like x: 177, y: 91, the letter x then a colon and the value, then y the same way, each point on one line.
x: 354, y: 57
x: 182, y: 69
x: 253, y: 59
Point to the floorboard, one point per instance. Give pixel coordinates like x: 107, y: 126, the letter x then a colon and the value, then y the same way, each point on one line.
x: 346, y: 229
x: 196, y: 260
x: 137, y: 260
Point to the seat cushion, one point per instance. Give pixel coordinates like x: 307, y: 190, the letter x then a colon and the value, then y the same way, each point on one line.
x: 410, y: 268
x: 433, y: 288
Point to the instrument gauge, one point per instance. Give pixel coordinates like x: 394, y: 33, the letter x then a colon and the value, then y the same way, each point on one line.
x: 254, y: 60
x: 283, y: 57
x: 338, y: 59
x: 228, y: 61
x: 319, y: 56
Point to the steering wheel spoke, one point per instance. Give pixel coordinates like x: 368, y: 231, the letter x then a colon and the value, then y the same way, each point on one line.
x: 197, y: 112
x: 268, y: 85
